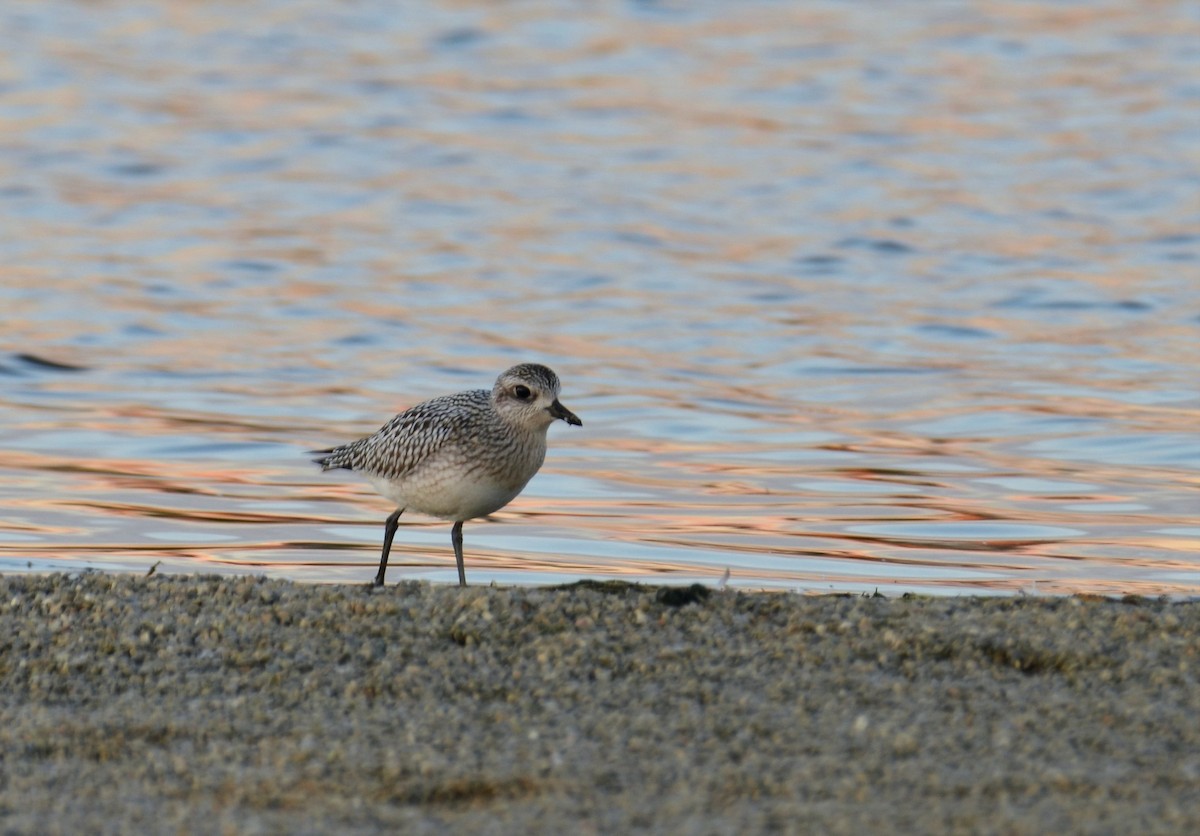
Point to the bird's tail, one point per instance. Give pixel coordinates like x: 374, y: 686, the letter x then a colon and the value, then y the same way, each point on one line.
x: 333, y: 458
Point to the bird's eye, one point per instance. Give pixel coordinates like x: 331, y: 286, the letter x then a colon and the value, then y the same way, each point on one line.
x: 522, y: 392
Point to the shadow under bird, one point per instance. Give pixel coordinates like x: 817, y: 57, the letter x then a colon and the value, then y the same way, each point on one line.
x: 459, y: 456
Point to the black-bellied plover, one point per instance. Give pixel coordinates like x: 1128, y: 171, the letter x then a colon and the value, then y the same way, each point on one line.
x: 459, y: 456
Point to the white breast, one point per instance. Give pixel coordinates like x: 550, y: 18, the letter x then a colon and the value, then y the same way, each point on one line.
x: 451, y: 489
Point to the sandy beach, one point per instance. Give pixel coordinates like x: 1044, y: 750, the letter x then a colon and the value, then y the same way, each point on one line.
x: 215, y: 705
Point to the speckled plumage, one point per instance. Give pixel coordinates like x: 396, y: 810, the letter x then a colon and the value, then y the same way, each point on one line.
x: 459, y: 456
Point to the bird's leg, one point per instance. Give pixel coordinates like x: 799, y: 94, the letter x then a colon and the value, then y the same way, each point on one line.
x: 456, y: 539
x: 389, y: 531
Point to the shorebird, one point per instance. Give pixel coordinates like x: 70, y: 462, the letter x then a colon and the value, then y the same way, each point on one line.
x: 459, y: 456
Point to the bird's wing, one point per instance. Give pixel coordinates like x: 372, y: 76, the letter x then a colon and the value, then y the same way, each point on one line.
x: 408, y: 440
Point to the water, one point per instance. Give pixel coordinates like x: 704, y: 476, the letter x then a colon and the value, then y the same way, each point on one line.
x: 847, y: 299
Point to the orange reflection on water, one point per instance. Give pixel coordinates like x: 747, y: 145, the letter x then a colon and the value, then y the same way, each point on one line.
x: 843, y: 299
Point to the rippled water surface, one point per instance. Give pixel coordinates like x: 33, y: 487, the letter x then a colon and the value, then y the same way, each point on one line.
x: 846, y: 298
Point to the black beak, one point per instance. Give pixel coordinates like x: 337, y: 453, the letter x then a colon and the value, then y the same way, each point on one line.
x: 559, y: 411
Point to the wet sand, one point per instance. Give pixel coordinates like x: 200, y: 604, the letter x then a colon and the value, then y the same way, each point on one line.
x: 205, y: 705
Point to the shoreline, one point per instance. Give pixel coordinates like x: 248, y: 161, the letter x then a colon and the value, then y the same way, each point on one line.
x: 214, y: 703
